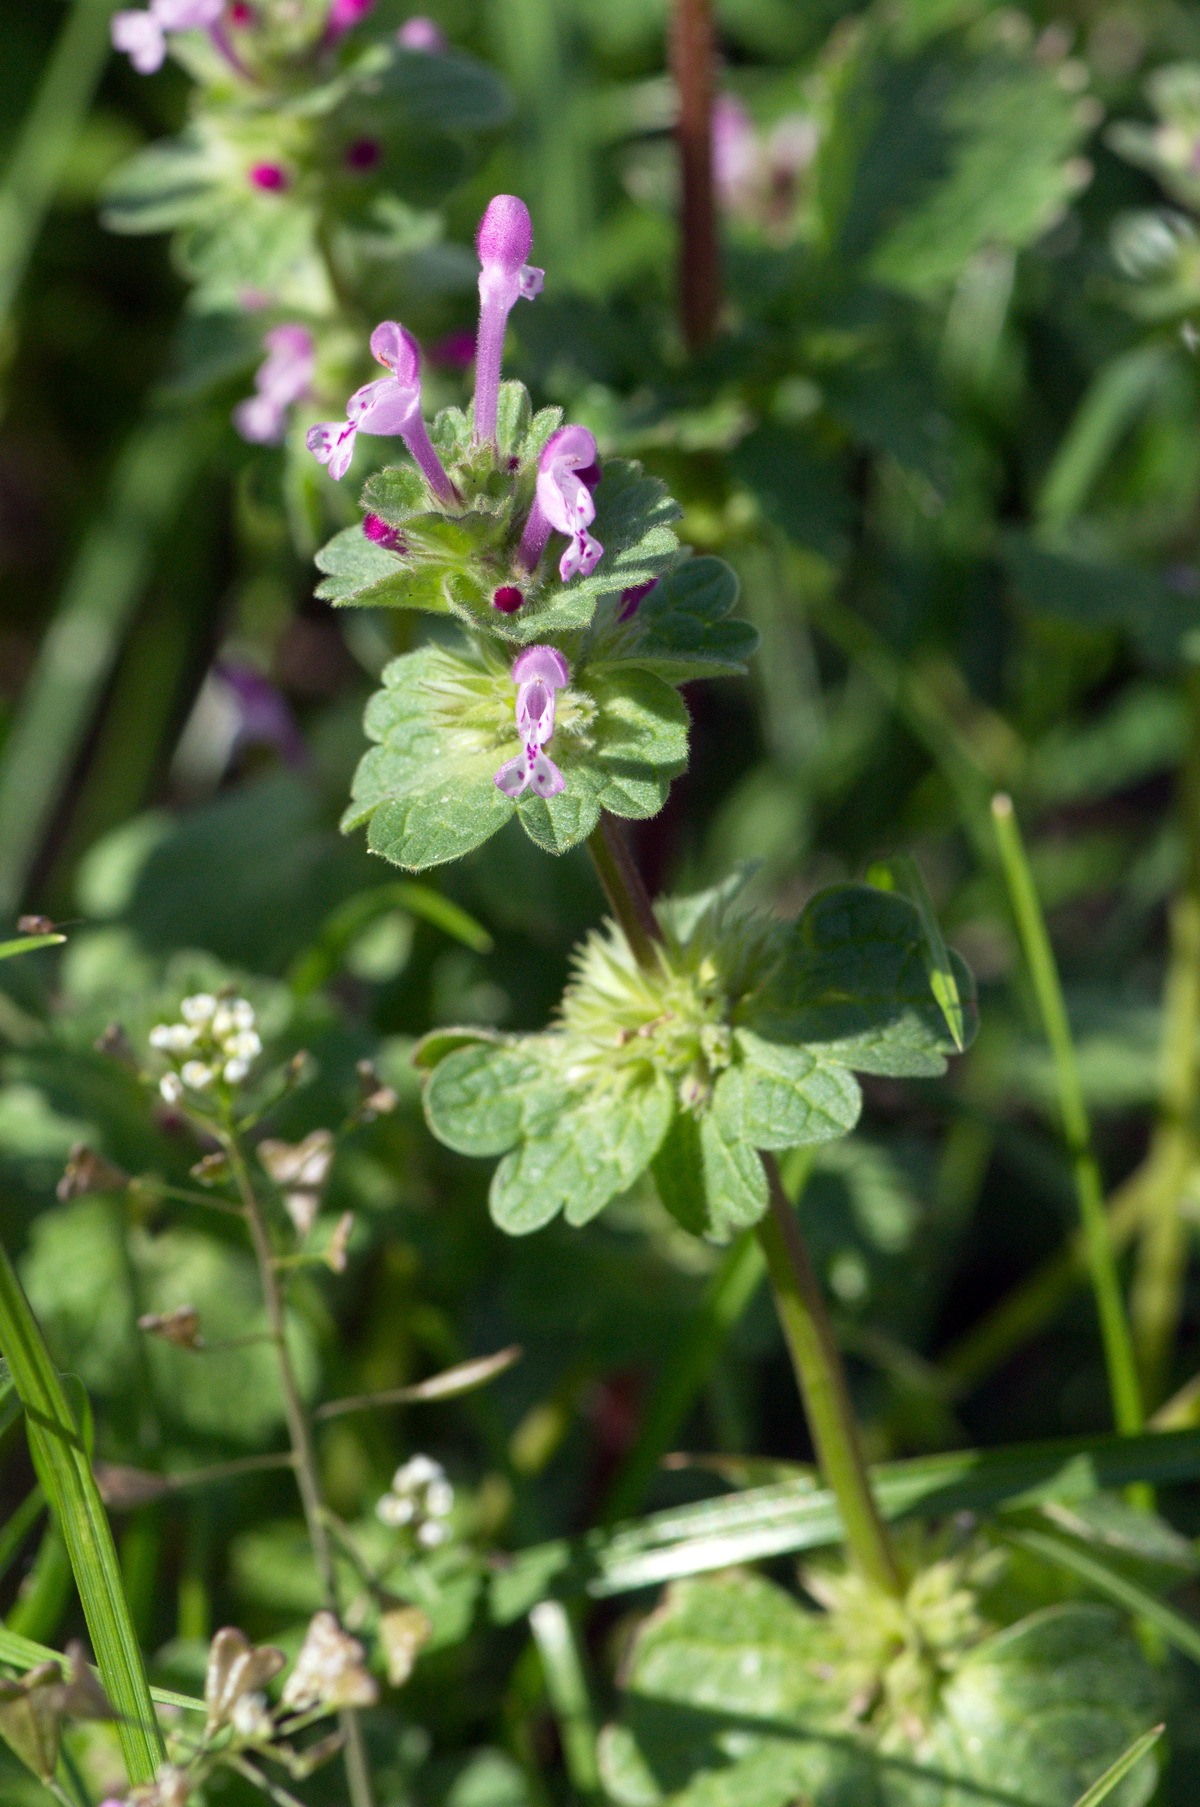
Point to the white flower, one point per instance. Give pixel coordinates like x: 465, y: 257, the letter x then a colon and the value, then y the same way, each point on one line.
x: 393, y: 1510
x: 171, y: 1087
x: 243, y: 1013
x: 250, y: 1718
x: 431, y: 1533
x: 196, y: 1075
x: 329, y: 1670
x: 235, y: 1071
x: 198, y: 1008
x: 243, y: 1045
x: 417, y: 1472
x: 172, y: 1038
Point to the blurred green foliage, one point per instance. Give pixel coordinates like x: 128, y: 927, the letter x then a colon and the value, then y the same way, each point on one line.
x: 947, y: 436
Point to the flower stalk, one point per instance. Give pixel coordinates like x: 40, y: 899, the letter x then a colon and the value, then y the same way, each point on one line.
x: 304, y: 1460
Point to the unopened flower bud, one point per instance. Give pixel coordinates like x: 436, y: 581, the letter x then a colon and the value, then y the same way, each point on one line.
x: 181, y: 1326
x: 329, y: 1670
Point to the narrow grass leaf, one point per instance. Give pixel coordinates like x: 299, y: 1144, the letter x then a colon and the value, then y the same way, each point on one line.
x: 61, y: 1459
x: 1117, y: 1772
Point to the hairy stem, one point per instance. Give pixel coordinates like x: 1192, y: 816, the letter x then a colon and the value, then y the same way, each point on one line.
x: 699, y: 268
x: 1162, y: 1255
x: 806, y: 1327
x: 821, y: 1377
x: 304, y: 1458
x: 1123, y: 1381
x: 627, y: 897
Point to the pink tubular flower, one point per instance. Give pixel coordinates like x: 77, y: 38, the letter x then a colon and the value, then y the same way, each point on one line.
x: 284, y: 377
x: 420, y: 33
x: 568, y: 472
x: 142, y: 34
x: 540, y: 672
x: 343, y: 16
x: 505, y: 236
x: 391, y: 404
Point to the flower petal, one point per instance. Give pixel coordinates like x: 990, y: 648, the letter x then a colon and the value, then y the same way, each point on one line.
x: 543, y: 662
x: 515, y: 774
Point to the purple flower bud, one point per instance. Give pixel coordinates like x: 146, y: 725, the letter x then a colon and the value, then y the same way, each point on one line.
x: 343, y: 16
x: 568, y: 472
x: 241, y: 14
x: 540, y: 672
x: 419, y: 33
x: 391, y: 404
x: 508, y: 599
x: 364, y: 153
x: 505, y: 237
x: 282, y: 379
x: 631, y: 597
x: 382, y: 534
x: 272, y: 177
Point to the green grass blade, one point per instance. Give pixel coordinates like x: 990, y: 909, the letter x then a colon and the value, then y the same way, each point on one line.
x: 64, y: 1470
x: 800, y: 1515
x: 25, y: 1653
x: 318, y: 963
x: 1118, y: 395
x: 47, y: 136
x: 81, y: 644
x: 567, y: 1689
x: 25, y: 944
x: 1117, y: 1772
x: 1119, y: 1359
x: 1183, y: 1633
x: 725, y: 1300
x: 17, y: 1526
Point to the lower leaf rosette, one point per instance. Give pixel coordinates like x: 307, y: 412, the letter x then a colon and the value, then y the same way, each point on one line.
x: 744, y: 1036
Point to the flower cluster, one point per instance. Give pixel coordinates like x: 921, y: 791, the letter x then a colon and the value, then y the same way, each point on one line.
x: 421, y: 1498
x: 567, y: 469
x: 329, y: 1671
x: 142, y: 35
x: 215, y: 1042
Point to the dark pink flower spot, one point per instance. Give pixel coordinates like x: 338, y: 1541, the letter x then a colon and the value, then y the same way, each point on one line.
x: 364, y: 153
x: 381, y: 534
x: 508, y: 599
x: 240, y: 13
x: 269, y: 176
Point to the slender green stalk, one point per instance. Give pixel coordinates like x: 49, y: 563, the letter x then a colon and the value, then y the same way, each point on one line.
x: 65, y: 1472
x: 304, y: 1456
x: 47, y: 137
x: 627, y: 898
x: 725, y: 1299
x: 566, y: 1685
x: 18, y: 1526
x: 1120, y: 1361
x: 822, y: 1380
x: 1157, y: 1298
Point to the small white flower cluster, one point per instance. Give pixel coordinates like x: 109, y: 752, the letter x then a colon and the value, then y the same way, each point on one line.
x: 216, y: 1039
x: 420, y: 1496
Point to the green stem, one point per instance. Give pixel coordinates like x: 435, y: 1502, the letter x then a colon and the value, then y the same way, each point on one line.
x: 821, y: 1376
x: 1120, y: 1361
x: 627, y: 896
x: 304, y: 1458
x: 1157, y: 1298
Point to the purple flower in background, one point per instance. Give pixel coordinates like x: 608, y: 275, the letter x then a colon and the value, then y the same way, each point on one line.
x: 344, y: 15
x: 505, y: 236
x: 264, y: 719
x: 363, y: 154
x: 391, y: 404
x: 284, y: 377
x: 540, y: 672
x: 456, y: 351
x: 142, y: 35
x: 734, y: 149
x: 631, y: 597
x: 568, y: 472
x: 419, y: 33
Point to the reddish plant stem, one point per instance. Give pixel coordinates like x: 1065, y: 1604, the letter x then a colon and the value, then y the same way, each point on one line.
x: 692, y: 56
